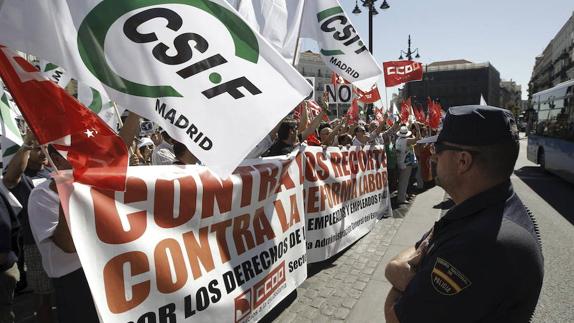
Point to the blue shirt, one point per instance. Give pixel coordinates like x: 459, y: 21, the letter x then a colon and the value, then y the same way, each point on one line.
x: 483, y: 264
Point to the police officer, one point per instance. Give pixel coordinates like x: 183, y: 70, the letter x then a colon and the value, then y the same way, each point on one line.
x: 482, y: 261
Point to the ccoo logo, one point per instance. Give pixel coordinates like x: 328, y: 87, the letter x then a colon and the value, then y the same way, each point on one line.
x: 94, y: 28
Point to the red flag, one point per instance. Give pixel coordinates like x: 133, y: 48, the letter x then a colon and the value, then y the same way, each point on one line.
x: 353, y: 112
x: 419, y: 114
x: 398, y: 72
x: 98, y: 156
x: 337, y: 79
x: 313, y: 110
x: 371, y: 96
x: 435, y: 114
x: 405, y: 110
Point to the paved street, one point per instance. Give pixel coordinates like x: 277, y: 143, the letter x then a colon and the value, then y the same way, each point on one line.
x: 352, y: 287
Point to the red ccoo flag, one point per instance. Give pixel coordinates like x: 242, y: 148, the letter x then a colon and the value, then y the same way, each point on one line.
x: 398, y: 72
x: 98, y: 156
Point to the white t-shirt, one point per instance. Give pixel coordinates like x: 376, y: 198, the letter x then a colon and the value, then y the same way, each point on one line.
x: 43, y: 211
x: 163, y: 154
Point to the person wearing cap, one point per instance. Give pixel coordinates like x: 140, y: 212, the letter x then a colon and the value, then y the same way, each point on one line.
x: 145, y: 147
x: 406, y: 159
x: 482, y: 261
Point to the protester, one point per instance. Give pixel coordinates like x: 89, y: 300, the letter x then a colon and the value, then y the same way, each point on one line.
x: 25, y: 171
x: 286, y: 139
x: 183, y: 156
x: 482, y: 261
x: 145, y: 148
x: 405, y: 159
x: 345, y: 140
x: 9, y: 273
x: 59, y: 258
x: 423, y: 153
x: 163, y: 153
x: 361, y: 137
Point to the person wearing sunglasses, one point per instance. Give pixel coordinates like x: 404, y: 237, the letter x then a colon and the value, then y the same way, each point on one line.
x: 482, y: 261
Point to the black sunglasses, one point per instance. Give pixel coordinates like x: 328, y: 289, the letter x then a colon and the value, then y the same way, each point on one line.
x: 439, y: 147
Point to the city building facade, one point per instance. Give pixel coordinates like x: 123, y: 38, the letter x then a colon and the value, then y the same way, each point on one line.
x: 456, y: 82
x: 510, y: 96
x: 556, y: 63
x: 311, y: 65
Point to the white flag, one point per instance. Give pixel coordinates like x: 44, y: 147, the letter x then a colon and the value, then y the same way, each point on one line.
x: 54, y: 72
x: 482, y: 100
x: 194, y: 67
x: 11, y: 138
x: 341, y: 47
x: 99, y: 103
x: 278, y: 21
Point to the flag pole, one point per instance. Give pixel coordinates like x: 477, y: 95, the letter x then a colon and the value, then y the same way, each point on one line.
x: 50, y: 161
x: 387, y: 96
x: 120, y: 122
x: 298, y: 35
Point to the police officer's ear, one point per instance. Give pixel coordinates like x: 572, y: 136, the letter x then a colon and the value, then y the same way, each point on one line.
x: 465, y: 160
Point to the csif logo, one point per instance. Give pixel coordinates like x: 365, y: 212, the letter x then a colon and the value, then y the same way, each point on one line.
x: 94, y: 28
x: 333, y: 20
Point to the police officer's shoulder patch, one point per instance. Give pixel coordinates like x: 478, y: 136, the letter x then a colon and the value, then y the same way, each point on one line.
x: 446, y: 279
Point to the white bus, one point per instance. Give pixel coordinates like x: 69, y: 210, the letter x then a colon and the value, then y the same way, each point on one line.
x: 551, y: 140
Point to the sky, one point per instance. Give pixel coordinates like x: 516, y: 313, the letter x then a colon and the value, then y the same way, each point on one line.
x: 507, y: 33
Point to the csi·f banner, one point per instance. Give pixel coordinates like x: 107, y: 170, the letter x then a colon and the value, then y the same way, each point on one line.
x: 194, y: 67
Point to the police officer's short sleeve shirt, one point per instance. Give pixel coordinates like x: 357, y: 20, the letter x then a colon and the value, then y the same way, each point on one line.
x: 484, y: 264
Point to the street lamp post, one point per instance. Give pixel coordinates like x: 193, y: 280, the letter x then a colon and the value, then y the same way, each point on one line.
x: 409, y: 53
x: 370, y: 4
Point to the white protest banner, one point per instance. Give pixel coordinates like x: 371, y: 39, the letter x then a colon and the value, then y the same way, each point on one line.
x: 54, y: 73
x: 181, y: 244
x: 194, y: 67
x: 279, y: 21
x: 346, y: 193
x: 341, y: 47
x: 11, y: 137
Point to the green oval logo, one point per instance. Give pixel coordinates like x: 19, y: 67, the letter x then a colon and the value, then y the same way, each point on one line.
x: 93, y: 30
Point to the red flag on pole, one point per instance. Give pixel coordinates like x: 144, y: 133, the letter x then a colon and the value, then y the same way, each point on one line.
x: 371, y: 96
x: 353, y: 112
x: 419, y: 114
x: 313, y: 110
x: 435, y: 114
x: 405, y: 110
x: 98, y: 156
x: 398, y: 72
x: 337, y: 79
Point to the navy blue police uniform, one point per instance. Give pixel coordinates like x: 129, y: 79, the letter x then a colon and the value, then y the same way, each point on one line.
x: 484, y: 258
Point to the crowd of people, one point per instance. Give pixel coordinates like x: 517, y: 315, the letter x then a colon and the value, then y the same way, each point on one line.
x: 37, y: 252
